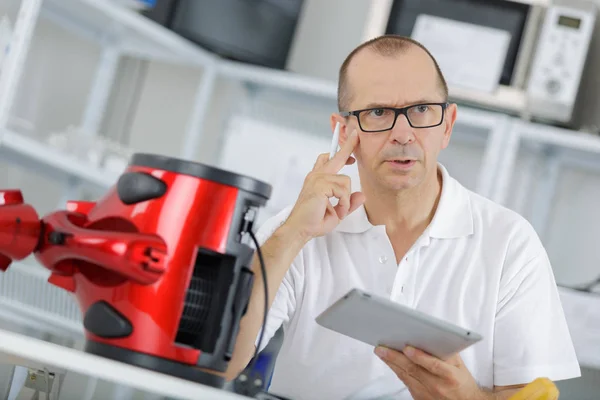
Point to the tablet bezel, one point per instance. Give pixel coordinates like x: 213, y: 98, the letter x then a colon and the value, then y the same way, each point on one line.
x: 409, y: 327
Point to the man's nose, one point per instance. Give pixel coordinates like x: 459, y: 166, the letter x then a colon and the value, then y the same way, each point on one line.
x: 402, y: 132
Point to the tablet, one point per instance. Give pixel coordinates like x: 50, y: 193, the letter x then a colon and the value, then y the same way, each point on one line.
x: 379, y: 321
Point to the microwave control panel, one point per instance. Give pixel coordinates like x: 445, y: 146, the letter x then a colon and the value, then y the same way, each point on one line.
x: 559, y: 61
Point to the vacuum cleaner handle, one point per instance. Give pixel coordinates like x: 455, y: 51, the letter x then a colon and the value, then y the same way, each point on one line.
x: 136, y: 256
x: 20, y: 228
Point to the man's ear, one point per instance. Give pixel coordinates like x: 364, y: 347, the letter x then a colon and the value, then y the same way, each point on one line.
x: 451, y: 112
x: 335, y: 118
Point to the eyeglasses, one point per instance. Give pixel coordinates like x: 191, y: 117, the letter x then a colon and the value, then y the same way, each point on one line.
x: 379, y: 119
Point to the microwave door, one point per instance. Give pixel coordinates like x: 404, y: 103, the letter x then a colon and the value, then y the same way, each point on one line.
x: 509, y: 16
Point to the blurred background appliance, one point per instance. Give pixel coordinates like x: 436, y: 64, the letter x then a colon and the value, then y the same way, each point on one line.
x: 258, y: 32
x: 547, y: 72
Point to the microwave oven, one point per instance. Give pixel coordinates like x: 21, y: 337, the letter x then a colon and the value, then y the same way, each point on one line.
x: 549, y: 60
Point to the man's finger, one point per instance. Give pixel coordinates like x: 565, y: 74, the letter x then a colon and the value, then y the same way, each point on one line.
x: 430, y: 363
x: 416, y: 388
x: 356, y: 200
x: 321, y: 160
x: 331, y: 209
x: 343, y: 194
x: 342, y: 207
x: 392, y: 356
x: 413, y: 375
x: 341, y: 157
x: 455, y: 360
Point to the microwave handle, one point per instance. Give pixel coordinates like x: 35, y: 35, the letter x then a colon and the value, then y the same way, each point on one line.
x: 531, y: 33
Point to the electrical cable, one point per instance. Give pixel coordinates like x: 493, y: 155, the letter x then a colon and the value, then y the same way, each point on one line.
x: 266, y: 305
x: 245, y: 384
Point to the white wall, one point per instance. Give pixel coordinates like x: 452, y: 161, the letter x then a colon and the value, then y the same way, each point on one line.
x: 164, y: 108
x: 326, y: 33
x: 161, y: 116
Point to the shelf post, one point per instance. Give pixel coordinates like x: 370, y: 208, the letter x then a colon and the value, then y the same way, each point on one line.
x: 526, y: 182
x: 101, y: 88
x: 121, y: 392
x: 510, y: 149
x: 542, y: 202
x: 492, y: 157
x: 193, y: 133
x: 13, y: 65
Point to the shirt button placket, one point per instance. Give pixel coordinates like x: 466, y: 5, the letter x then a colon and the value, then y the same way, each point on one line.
x: 389, y: 284
x: 401, y: 279
x: 406, y: 290
x: 384, y: 259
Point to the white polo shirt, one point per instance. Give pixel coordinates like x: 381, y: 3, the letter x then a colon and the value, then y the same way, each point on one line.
x: 478, y: 265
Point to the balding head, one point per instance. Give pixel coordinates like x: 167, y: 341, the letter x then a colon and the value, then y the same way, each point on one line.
x: 391, y: 46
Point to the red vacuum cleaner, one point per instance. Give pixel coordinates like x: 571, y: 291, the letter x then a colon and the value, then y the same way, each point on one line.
x: 160, y: 266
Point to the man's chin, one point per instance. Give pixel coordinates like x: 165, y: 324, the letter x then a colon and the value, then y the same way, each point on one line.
x: 398, y: 183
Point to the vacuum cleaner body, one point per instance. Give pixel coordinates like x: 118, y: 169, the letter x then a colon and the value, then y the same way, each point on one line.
x: 160, y: 266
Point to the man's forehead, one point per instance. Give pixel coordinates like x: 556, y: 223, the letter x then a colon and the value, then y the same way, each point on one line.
x: 393, y: 80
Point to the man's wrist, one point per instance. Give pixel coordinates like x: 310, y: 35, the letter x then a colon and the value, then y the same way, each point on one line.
x: 291, y: 236
x: 487, y: 394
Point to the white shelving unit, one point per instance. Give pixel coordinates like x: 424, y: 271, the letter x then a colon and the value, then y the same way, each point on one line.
x: 28, y: 299
x: 281, y: 80
x: 551, y: 176
x: 42, y: 157
x: 536, y: 165
x: 121, y: 28
x: 120, y: 32
x: 38, y: 354
x: 507, y: 155
x: 572, y: 147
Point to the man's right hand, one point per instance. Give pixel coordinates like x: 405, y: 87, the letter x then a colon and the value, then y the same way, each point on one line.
x: 313, y: 214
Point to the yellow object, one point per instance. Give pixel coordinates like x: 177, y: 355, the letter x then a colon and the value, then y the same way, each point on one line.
x: 540, y: 389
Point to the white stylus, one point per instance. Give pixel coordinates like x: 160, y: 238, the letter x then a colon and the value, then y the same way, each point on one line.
x: 335, y: 140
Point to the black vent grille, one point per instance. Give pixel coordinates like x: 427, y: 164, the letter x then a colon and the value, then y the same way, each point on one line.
x: 205, y: 300
x: 198, y: 300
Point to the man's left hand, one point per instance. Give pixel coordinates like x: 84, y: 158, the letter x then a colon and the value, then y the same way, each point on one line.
x: 429, y: 378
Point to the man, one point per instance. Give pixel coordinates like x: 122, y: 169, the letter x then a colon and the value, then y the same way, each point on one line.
x: 413, y: 234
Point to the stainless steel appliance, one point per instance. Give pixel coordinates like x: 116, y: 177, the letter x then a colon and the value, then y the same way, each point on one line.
x: 548, y: 58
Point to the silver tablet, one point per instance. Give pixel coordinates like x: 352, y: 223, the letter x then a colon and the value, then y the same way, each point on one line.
x: 380, y: 321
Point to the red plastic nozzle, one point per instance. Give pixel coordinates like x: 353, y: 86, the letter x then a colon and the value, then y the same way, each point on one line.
x: 20, y: 228
x: 11, y: 197
x: 4, y: 262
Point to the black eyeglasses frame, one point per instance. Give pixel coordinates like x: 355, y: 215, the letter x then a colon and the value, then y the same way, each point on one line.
x: 397, y: 112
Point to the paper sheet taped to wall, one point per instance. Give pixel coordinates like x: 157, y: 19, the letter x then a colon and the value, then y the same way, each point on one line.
x: 470, y: 56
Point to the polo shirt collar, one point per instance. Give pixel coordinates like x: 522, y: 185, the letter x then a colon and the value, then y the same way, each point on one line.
x: 453, y: 217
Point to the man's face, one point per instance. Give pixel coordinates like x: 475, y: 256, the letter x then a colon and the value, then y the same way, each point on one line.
x: 402, y: 157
